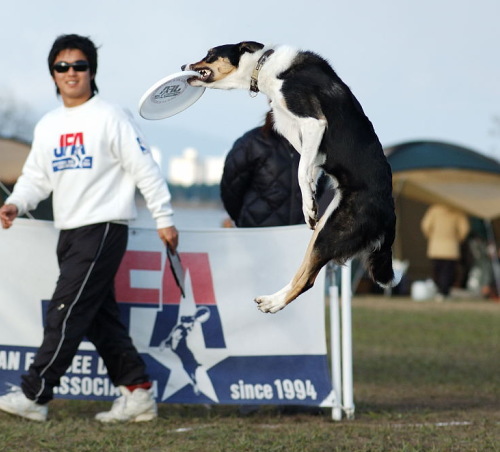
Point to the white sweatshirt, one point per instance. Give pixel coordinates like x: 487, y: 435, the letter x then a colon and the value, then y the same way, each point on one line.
x: 91, y: 157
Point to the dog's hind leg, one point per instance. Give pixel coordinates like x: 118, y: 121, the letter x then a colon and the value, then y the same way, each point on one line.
x: 379, y: 263
x: 314, y: 259
x: 302, y: 281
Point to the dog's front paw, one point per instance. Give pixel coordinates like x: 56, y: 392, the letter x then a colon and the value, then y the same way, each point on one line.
x: 310, y: 214
x: 268, y: 303
x: 311, y: 222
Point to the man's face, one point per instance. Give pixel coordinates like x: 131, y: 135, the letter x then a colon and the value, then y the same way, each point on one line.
x: 74, y: 86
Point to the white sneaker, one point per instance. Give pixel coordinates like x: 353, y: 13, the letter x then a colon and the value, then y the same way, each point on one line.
x: 15, y: 402
x: 136, y: 406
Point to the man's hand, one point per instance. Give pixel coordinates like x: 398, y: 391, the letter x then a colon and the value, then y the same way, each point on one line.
x: 170, y: 237
x: 8, y: 213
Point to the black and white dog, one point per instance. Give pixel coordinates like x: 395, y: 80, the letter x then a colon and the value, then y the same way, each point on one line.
x: 317, y: 112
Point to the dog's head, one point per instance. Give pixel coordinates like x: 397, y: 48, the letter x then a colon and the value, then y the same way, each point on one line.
x: 219, y: 67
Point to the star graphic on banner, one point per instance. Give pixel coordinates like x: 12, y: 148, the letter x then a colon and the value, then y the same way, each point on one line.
x: 141, y: 328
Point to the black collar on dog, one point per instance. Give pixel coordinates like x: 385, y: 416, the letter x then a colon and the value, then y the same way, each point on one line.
x: 254, y: 87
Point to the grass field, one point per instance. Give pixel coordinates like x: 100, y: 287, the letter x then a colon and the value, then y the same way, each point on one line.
x: 426, y: 378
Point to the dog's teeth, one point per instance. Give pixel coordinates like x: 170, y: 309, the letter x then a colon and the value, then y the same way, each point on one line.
x: 204, y: 74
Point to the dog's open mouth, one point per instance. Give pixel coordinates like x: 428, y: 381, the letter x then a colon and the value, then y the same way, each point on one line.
x: 205, y: 74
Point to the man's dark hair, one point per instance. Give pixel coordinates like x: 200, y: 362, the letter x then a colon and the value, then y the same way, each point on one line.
x: 82, y: 43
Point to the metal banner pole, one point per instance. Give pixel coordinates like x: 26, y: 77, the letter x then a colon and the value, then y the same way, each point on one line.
x: 335, y: 348
x: 347, y: 380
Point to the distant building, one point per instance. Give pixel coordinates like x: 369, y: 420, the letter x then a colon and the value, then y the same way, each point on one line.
x: 191, y: 169
x: 212, y: 172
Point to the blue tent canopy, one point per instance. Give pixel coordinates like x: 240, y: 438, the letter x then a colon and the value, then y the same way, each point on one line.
x: 437, y: 172
x: 434, y: 154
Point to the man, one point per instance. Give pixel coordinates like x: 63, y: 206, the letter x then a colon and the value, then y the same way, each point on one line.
x: 90, y: 156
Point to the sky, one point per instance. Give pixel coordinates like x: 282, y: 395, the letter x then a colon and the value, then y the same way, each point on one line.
x: 426, y: 69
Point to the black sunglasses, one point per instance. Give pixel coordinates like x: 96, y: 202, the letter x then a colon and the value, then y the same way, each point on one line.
x: 78, y: 66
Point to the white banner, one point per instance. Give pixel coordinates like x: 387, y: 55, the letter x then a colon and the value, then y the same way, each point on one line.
x: 213, y: 346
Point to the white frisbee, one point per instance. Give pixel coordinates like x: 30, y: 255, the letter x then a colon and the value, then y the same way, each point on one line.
x: 170, y: 96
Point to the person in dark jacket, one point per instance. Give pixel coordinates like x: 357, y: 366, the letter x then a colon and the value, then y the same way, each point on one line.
x: 259, y: 185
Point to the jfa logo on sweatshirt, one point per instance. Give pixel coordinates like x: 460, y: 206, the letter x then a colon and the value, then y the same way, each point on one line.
x: 71, y: 153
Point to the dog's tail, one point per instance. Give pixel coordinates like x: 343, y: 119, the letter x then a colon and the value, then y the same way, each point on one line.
x: 379, y: 266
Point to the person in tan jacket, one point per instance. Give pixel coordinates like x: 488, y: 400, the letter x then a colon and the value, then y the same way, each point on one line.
x: 444, y: 228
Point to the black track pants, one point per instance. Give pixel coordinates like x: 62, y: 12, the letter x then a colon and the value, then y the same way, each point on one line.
x: 444, y: 274
x: 84, y: 304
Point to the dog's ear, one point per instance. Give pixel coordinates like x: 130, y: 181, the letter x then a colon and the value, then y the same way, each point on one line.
x: 250, y: 46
